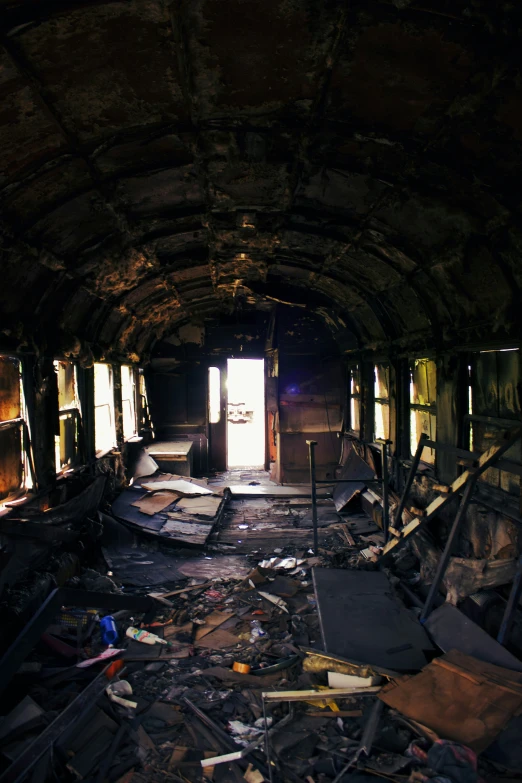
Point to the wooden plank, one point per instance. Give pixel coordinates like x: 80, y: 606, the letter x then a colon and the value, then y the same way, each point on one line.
x: 328, y: 694
x: 490, y: 457
x: 212, y: 621
x: 152, y: 504
x: 188, y: 532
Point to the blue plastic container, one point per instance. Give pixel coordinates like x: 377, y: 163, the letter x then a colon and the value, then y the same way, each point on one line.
x: 108, y: 629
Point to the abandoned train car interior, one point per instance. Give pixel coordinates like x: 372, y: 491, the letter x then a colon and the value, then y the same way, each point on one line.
x: 260, y: 391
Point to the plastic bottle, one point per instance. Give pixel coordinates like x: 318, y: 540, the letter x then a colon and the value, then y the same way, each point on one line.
x: 256, y: 631
x: 144, y: 636
x: 108, y: 629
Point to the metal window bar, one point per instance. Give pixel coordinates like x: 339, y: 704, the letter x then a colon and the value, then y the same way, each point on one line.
x: 384, y: 481
x: 465, y: 484
x: 80, y: 440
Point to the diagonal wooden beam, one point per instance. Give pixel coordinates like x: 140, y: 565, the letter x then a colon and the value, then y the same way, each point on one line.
x: 489, y: 458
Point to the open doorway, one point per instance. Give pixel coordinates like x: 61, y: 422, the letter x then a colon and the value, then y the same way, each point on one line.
x: 245, y: 413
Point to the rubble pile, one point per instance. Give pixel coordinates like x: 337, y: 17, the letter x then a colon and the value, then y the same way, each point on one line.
x: 252, y: 677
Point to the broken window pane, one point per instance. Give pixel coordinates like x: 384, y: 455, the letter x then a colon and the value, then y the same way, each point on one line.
x: 423, y: 395
x: 10, y: 396
x: 67, y: 442
x: 11, y: 466
x: 14, y: 465
x: 494, y: 406
x: 104, y: 420
x: 382, y: 401
x: 354, y: 394
x: 128, y: 401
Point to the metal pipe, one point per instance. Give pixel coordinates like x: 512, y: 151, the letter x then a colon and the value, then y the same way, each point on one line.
x: 511, y: 607
x: 311, y: 449
x: 397, y: 522
x: 444, y: 560
x: 385, y: 481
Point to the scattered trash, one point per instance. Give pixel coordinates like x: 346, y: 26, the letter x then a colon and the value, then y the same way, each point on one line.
x: 117, y: 691
x: 274, y: 599
x: 144, y: 636
x: 271, y: 663
x: 108, y: 629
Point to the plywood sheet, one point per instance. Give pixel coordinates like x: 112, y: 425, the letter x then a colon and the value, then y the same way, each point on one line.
x: 181, y: 486
x: 152, y: 504
x: 212, y: 621
x: 188, y: 532
x: 218, y: 640
x: 201, y: 506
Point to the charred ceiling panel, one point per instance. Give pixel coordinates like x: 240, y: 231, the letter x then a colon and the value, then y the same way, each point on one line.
x: 362, y: 160
x: 99, y: 73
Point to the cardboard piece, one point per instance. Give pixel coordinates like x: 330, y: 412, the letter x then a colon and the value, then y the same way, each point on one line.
x: 212, y: 621
x: 182, y: 487
x: 459, y: 697
x: 152, y: 504
x: 218, y: 640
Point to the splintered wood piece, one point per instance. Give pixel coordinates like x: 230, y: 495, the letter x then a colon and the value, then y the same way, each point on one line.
x: 212, y: 621
x: 487, y: 459
x: 329, y: 693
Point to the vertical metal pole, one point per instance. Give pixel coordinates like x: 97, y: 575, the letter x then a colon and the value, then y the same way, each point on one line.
x: 444, y: 560
x: 311, y: 449
x: 385, y: 481
x: 267, y: 743
x: 511, y: 606
x: 397, y: 522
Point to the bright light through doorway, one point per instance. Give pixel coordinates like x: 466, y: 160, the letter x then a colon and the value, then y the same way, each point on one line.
x: 246, y: 413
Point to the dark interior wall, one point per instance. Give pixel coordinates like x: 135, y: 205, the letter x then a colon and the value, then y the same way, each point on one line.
x: 307, y: 382
x: 311, y: 396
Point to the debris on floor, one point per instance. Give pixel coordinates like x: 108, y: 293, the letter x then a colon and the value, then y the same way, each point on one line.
x: 255, y: 659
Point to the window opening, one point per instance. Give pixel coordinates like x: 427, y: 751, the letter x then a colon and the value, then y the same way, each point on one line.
x: 382, y: 401
x: 16, y: 474
x: 144, y: 415
x: 214, y: 395
x: 104, y: 420
x: 128, y: 401
x: 354, y: 394
x: 67, y: 442
x: 246, y: 413
x: 494, y: 406
x: 423, y: 410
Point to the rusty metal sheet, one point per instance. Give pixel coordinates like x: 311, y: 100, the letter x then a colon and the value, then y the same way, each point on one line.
x: 376, y: 628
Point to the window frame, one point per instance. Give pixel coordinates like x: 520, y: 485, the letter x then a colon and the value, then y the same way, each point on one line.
x: 76, y: 412
x: 28, y: 475
x: 112, y: 411
x: 382, y: 401
x: 429, y: 408
x: 133, y: 399
x: 354, y: 399
x: 497, y: 423
x: 144, y: 418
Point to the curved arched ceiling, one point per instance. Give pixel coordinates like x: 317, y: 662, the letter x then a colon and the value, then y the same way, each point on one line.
x: 162, y: 160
